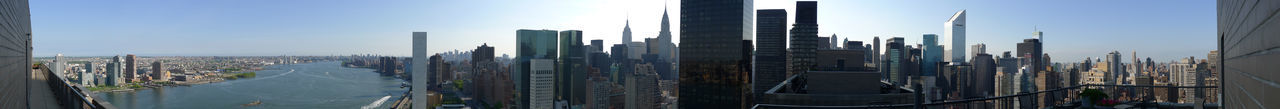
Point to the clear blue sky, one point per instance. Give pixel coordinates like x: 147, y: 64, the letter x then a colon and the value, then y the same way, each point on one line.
x: 1163, y: 30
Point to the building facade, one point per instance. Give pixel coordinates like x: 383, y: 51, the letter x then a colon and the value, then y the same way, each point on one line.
x: 532, y: 44
x: 771, y: 49
x: 954, y: 33
x: 710, y: 29
x: 17, y: 31
x: 542, y: 84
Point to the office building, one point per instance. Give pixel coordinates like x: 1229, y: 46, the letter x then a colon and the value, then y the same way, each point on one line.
x: 983, y: 76
x: 895, y: 59
x: 824, y: 43
x: 1031, y: 49
x: 597, y: 45
x: 978, y: 49
x: 953, y: 31
x: 836, y: 60
x: 712, y: 73
x: 1183, y: 73
x: 804, y: 37
x: 932, y: 55
x: 854, y: 45
x: 421, y: 76
x: 541, y: 83
x: 835, y: 42
x: 88, y: 76
x: 875, y: 51
x: 771, y: 49
x: 533, y: 44
x: 1113, y: 68
x: 59, y: 65
x: 642, y: 88
x: 636, y: 49
x: 114, y: 75
x: 571, y: 71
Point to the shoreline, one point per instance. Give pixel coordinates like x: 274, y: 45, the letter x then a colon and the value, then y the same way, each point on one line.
x: 220, y: 77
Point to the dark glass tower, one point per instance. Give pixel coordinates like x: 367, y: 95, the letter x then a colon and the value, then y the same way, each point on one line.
x: 804, y: 37
x: 771, y: 54
x: 531, y: 44
x: 709, y: 78
x: 895, y: 59
x: 572, y: 71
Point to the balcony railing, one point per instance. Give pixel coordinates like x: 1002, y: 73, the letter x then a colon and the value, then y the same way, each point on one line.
x: 69, y: 96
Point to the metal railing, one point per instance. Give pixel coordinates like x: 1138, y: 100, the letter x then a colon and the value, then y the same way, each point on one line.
x: 69, y: 96
x: 1141, y: 96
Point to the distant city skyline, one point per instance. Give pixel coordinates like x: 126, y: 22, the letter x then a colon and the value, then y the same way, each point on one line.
x: 1164, y: 30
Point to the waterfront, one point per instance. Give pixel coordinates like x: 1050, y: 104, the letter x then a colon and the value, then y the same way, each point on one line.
x: 309, y: 86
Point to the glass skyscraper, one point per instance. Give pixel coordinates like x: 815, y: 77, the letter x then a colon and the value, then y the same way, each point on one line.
x: 711, y: 78
x: 572, y: 68
x: 532, y: 44
x: 771, y: 54
x: 953, y: 30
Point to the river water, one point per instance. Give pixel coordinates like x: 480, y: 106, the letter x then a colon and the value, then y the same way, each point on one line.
x: 321, y: 85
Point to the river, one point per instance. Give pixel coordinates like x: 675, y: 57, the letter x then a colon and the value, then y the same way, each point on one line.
x: 321, y: 85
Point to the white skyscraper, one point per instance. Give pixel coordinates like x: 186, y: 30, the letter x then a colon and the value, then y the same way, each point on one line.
x: 953, y: 30
x: 59, y: 65
x: 420, y: 71
x: 542, y: 83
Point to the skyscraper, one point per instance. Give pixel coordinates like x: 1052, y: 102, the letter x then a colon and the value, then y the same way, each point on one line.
x: 571, y: 72
x: 130, y: 68
x: 875, y: 51
x: 59, y: 65
x: 642, y: 88
x: 771, y: 50
x: 87, y: 77
x: 482, y: 53
x: 533, y: 44
x: 421, y: 74
x: 157, y: 72
x: 1113, y: 68
x: 542, y: 84
x: 804, y: 37
x: 115, y: 73
x: 834, y: 42
x: 953, y: 30
x: 983, y: 76
x: 978, y: 49
x: 932, y: 55
x: 711, y: 29
x: 626, y: 32
x: 895, y: 59
x: 665, y: 48
x: 597, y: 45
x: 1032, y: 50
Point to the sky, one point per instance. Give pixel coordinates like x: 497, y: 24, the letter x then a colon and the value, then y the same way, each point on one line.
x: 1162, y: 30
